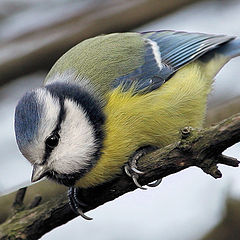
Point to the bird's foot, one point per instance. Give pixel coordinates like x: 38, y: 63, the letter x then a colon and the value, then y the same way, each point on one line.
x: 76, y: 204
x: 131, y: 167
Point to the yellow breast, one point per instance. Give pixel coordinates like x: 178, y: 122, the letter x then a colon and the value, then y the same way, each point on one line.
x: 154, y: 118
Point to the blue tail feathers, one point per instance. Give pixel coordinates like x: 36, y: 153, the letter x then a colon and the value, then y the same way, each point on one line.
x: 230, y: 49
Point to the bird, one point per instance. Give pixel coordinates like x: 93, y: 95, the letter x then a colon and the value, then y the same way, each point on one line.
x: 113, y: 98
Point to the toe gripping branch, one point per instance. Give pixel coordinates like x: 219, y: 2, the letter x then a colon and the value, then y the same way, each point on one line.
x: 131, y: 167
x: 76, y: 204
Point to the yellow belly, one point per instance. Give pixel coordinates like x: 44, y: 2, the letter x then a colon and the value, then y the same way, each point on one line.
x: 154, y: 118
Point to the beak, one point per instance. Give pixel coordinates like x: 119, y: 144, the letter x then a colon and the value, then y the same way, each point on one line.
x: 38, y: 172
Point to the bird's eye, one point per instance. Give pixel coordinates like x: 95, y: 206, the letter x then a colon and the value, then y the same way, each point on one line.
x: 52, y: 140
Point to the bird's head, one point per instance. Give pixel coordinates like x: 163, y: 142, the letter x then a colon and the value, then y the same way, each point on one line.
x: 59, y: 129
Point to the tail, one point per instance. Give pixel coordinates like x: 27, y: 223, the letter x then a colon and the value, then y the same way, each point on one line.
x: 230, y: 49
x: 218, y: 57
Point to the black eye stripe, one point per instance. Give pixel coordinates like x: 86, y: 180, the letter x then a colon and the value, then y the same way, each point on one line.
x: 53, y: 139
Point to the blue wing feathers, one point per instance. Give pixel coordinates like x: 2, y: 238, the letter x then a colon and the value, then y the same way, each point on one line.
x: 186, y: 46
x: 176, y: 50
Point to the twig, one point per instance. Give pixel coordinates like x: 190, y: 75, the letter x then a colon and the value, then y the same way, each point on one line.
x: 18, y: 202
x: 36, y: 201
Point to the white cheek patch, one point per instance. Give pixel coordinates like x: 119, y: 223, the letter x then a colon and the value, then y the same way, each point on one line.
x: 48, y: 122
x: 77, y: 141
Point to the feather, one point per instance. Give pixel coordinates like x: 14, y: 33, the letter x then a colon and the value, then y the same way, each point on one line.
x: 165, y: 53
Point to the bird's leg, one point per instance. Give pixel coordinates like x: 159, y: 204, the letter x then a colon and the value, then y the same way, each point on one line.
x: 75, y: 203
x: 131, y: 167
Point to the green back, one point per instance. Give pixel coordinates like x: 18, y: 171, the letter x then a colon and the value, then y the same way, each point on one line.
x: 101, y: 59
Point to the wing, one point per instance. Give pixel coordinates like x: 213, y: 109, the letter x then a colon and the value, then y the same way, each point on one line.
x: 165, y: 53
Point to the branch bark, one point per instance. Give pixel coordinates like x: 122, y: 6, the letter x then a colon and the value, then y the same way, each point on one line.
x: 46, y: 189
x: 200, y: 148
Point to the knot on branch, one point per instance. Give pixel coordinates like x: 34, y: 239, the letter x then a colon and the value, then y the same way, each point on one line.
x: 205, y: 147
x: 186, y: 139
x: 186, y: 132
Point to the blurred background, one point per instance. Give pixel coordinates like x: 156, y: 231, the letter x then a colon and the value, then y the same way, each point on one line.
x: 187, y: 205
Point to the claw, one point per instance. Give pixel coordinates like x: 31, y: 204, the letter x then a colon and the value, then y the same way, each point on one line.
x: 126, y: 169
x: 76, y: 204
x: 134, y: 169
x: 134, y: 178
x: 81, y: 213
x: 133, y: 173
x: 131, y: 167
x: 80, y: 203
x: 155, y: 184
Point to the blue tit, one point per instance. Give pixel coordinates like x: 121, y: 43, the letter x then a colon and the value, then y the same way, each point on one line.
x: 113, y: 94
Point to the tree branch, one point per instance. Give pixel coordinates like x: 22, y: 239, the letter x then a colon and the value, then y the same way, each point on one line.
x: 200, y: 148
